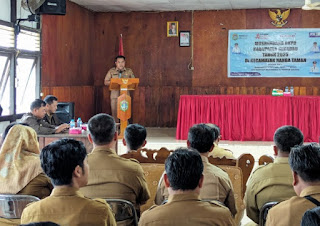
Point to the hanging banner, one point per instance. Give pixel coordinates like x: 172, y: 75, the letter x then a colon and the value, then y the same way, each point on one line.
x: 274, y: 53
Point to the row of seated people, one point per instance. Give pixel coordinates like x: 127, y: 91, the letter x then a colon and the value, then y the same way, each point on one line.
x: 105, y: 166
x: 103, y: 128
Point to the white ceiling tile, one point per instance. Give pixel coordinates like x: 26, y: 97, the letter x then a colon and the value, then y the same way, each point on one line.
x: 173, y: 5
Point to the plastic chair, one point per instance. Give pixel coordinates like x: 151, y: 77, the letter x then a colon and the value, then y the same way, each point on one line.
x: 125, y: 213
x: 264, y: 212
x: 11, y: 206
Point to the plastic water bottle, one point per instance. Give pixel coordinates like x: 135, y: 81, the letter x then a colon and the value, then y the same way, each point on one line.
x: 72, y: 123
x: 292, y: 91
x: 286, y: 89
x: 79, y: 122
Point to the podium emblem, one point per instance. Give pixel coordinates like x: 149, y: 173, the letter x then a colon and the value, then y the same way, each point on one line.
x: 125, y: 81
x: 124, y: 105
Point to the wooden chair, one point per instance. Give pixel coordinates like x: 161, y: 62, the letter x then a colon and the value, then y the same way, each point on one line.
x: 245, y: 162
x: 265, y: 159
x: 145, y: 155
x: 152, y: 163
x: 238, y: 171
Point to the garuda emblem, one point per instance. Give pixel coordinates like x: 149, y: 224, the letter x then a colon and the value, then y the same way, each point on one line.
x: 278, y: 17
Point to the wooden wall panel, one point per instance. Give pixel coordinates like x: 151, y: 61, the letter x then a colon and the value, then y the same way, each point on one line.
x: 79, y: 48
x: 82, y: 96
x: 67, y: 48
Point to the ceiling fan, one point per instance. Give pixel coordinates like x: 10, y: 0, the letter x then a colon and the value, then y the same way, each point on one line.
x: 311, y: 6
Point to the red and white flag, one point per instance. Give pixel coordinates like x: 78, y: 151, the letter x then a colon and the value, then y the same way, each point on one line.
x: 121, y: 52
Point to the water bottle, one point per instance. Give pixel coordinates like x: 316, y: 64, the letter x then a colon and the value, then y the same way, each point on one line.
x: 72, y: 123
x: 79, y: 122
x: 292, y: 91
x: 286, y: 89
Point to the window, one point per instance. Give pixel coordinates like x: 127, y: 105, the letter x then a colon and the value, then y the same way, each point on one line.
x: 19, y: 69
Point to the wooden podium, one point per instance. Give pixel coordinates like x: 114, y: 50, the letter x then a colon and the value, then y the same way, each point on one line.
x: 124, y: 100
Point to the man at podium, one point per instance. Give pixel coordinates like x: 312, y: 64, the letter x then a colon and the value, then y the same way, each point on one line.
x: 119, y: 71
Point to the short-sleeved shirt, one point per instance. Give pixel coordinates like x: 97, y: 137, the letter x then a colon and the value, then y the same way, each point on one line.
x: 112, y: 176
x: 290, y: 212
x: 67, y: 206
x: 216, y: 186
x: 272, y: 182
x: 115, y: 73
x: 52, y: 119
x: 187, y: 209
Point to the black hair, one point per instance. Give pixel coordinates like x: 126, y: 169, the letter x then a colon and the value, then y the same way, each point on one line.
x: 50, y: 98
x: 60, y: 158
x: 184, y: 168
x: 215, y: 129
x: 286, y: 137
x: 311, y: 217
x: 135, y: 135
x: 119, y: 57
x: 102, y: 128
x: 7, y: 129
x: 305, y: 161
x: 36, y: 104
x: 201, y: 137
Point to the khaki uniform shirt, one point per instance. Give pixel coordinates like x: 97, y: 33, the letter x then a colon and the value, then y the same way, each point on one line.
x: 40, y: 187
x: 216, y: 186
x: 290, y: 212
x: 52, y: 119
x: 114, y: 73
x: 39, y: 125
x: 187, y: 209
x: 112, y: 176
x: 272, y: 182
x: 219, y: 152
x: 67, y: 206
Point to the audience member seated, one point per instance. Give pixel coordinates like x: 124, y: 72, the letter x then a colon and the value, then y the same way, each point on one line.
x: 65, y: 162
x: 219, y: 152
x: 35, y: 119
x: 112, y: 176
x: 6, y: 131
x: 134, y: 137
x: 273, y: 182
x: 51, y: 108
x: 311, y: 217
x: 20, y: 170
x: 217, y: 184
x: 304, y: 162
x: 184, y: 179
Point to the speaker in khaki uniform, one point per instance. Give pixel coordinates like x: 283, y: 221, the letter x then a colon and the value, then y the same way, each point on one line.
x: 119, y: 71
x: 184, y: 179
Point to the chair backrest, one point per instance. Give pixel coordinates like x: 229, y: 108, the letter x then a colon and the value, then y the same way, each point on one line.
x: 153, y: 173
x: 11, y: 206
x: 245, y: 162
x: 236, y: 177
x: 145, y: 155
x: 264, y: 212
x: 124, y: 211
x: 265, y: 159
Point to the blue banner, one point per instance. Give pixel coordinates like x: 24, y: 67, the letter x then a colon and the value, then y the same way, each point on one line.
x: 274, y: 53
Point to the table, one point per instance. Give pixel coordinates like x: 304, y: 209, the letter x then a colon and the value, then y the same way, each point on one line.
x: 250, y: 117
x: 47, y: 139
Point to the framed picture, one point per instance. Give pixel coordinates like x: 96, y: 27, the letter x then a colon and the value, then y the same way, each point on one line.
x: 172, y: 28
x: 184, y: 38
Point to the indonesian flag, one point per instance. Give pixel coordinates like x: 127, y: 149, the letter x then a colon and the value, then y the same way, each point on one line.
x: 121, y: 52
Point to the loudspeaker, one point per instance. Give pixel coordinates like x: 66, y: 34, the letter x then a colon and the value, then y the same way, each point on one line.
x: 65, y: 111
x: 54, y: 7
